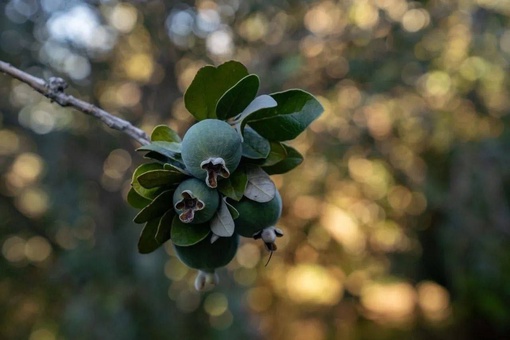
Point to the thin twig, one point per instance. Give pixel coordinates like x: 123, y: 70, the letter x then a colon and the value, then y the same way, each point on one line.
x: 54, y: 90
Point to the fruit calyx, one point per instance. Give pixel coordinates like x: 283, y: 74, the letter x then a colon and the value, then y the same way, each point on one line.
x: 205, y: 279
x: 268, y: 236
x: 215, y: 166
x: 188, y: 204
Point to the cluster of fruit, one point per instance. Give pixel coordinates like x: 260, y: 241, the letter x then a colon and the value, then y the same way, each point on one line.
x: 206, y: 190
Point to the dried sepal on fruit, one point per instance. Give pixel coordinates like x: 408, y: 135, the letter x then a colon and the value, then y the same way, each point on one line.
x: 195, y: 202
x: 188, y: 205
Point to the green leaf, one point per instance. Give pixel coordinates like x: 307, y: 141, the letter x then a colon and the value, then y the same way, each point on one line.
x: 260, y: 187
x: 187, y: 234
x: 147, y: 242
x: 254, y: 145
x: 209, y: 84
x: 222, y: 224
x: 295, y: 111
x: 165, y: 227
x: 261, y: 102
x: 234, y: 186
x: 161, y: 204
x: 135, y: 200
x: 164, y: 133
x: 168, y: 149
x: 292, y: 160
x: 156, y: 178
x: 233, y: 211
x: 238, y: 97
x: 276, y: 154
x: 147, y: 193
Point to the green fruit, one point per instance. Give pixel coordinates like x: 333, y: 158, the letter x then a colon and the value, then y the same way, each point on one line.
x: 195, y: 202
x: 211, y: 149
x: 206, y: 256
x: 255, y: 216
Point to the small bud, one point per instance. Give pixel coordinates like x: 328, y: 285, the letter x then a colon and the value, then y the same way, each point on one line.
x: 205, y: 280
x: 268, y: 236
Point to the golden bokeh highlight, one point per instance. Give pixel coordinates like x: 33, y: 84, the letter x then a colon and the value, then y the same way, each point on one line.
x: 389, y: 302
x: 43, y: 334
x: 139, y: 67
x: 313, y: 284
x: 248, y: 255
x: 434, y: 301
x: 123, y: 17
x: 37, y: 249
x: 215, y: 304
x: 33, y: 202
x: 259, y: 299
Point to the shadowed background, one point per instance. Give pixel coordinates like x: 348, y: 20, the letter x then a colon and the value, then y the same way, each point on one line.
x: 397, y: 224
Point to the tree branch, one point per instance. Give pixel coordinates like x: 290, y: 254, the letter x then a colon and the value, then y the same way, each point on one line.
x: 54, y: 90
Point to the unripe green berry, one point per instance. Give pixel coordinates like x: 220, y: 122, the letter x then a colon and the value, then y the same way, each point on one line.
x: 255, y: 216
x: 211, y: 149
x: 208, y: 256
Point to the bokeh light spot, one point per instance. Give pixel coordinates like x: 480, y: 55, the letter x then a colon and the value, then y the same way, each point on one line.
x: 37, y: 249
x: 33, y: 202
x: 13, y: 249
x: 220, y: 42
x: 139, y: 67
x: 415, y: 20
x: 123, y: 17
x: 433, y: 300
x: 215, y: 304
x: 313, y: 284
x: 248, y: 255
x: 389, y: 302
x: 259, y: 299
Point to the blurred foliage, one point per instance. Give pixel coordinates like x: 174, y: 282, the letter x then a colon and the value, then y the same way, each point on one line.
x: 397, y: 224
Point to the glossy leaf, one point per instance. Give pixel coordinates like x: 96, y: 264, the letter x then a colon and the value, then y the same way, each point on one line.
x: 135, y: 200
x: 276, y: 154
x: 260, y: 187
x: 222, y: 224
x: 233, y: 211
x: 238, y: 97
x: 187, y: 234
x: 147, y: 242
x: 295, y: 111
x: 161, y: 204
x: 234, y: 186
x: 165, y: 227
x: 156, y: 178
x: 209, y: 85
x: 167, y: 149
x: 292, y: 160
x: 140, y: 190
x: 164, y: 133
x: 254, y: 145
x: 261, y: 102
x: 179, y: 167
